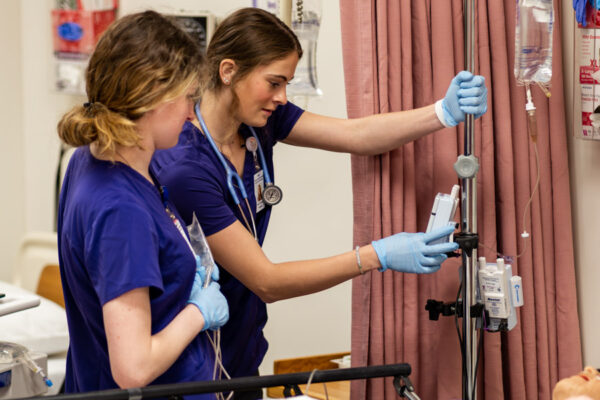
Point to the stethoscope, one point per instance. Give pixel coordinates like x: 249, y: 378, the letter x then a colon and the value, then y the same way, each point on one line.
x: 272, y: 193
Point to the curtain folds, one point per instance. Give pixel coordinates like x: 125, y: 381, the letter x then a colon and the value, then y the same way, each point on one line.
x: 400, y: 55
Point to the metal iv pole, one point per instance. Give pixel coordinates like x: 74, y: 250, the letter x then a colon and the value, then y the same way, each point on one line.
x: 466, y: 167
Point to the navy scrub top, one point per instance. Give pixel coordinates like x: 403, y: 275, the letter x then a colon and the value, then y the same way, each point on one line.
x: 197, y: 182
x: 114, y: 235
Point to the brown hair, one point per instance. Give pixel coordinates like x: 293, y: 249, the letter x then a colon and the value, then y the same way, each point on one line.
x: 251, y: 37
x: 140, y: 61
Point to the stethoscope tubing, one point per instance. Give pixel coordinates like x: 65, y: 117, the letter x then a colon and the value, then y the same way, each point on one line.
x: 231, y: 174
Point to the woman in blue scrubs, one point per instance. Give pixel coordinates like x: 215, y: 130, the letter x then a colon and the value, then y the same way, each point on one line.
x: 133, y: 292
x: 251, y: 58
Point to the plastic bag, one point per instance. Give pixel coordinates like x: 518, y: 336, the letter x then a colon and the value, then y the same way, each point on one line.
x: 306, y: 21
x: 533, y: 37
x: 200, y: 247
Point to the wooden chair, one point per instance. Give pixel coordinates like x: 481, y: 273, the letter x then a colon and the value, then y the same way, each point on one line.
x: 50, y: 285
x: 335, y: 390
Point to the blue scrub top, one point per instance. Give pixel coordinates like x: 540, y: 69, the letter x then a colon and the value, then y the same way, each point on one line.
x: 114, y: 235
x: 197, y: 182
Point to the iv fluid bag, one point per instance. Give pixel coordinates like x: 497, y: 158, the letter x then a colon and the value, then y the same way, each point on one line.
x: 306, y: 21
x: 271, y: 6
x: 200, y: 247
x: 533, y: 41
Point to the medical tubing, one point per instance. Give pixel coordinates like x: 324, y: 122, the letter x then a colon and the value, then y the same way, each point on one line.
x: 246, y: 220
x: 531, y: 119
x: 245, y: 383
x: 252, y: 219
x: 528, y: 205
x: 215, y: 343
x: 262, y: 157
x: 230, y: 174
x: 532, y: 125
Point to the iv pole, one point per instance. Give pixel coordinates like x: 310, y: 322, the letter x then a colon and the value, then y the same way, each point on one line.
x: 466, y: 167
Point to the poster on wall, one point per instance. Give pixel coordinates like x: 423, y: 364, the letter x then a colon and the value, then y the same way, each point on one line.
x: 589, y: 80
x: 590, y: 111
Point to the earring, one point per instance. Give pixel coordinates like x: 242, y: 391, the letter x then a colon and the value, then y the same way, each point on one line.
x: 226, y: 81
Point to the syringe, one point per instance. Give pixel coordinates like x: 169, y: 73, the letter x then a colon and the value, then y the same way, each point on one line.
x: 36, y: 369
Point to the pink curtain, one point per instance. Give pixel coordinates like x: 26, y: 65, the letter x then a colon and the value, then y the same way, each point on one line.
x: 400, y: 55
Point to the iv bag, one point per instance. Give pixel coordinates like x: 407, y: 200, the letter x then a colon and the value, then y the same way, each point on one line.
x: 533, y: 37
x: 200, y: 247
x: 306, y: 21
x: 271, y: 6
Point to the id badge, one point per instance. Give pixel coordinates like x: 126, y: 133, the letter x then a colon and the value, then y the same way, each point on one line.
x: 259, y: 187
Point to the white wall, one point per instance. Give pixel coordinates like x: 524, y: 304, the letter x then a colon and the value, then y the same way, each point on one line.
x: 314, y: 219
x: 584, y: 163
x: 12, y: 192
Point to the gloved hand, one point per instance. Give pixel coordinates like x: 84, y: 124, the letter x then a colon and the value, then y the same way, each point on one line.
x: 210, y: 301
x: 466, y: 94
x: 214, y: 275
x: 579, y: 6
x: 409, y: 252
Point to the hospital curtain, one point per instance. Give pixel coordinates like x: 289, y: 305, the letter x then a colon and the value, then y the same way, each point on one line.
x: 400, y: 55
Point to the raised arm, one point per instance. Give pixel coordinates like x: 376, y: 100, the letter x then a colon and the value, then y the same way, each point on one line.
x: 376, y: 134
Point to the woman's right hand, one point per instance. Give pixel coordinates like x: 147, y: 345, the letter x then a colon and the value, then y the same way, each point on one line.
x: 411, y: 252
x: 209, y: 300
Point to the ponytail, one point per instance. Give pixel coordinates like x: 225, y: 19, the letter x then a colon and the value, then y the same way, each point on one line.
x: 94, y: 122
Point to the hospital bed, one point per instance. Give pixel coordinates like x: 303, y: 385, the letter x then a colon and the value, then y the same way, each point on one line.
x: 43, y: 328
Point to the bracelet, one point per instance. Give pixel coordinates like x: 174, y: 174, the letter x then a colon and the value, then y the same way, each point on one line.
x: 360, y: 268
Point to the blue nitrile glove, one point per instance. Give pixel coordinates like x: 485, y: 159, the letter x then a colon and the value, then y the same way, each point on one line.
x: 579, y: 6
x: 214, y: 275
x: 409, y: 252
x: 466, y: 94
x: 210, y: 301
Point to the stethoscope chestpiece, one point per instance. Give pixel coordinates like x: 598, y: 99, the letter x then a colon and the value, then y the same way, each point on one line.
x: 272, y: 194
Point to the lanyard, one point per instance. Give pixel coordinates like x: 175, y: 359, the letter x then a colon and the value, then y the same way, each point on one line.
x: 164, y: 196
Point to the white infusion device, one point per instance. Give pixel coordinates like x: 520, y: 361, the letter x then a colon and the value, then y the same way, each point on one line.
x: 442, y: 212
x: 500, y: 293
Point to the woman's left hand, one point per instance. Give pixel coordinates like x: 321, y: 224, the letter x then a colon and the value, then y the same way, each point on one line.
x: 466, y: 94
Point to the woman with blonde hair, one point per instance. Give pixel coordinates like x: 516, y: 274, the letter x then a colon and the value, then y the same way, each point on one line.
x: 133, y: 291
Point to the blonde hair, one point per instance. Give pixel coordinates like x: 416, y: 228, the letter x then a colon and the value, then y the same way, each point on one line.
x: 140, y: 61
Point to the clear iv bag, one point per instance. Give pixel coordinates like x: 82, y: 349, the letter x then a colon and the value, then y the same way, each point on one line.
x: 306, y: 21
x: 200, y: 247
x: 533, y: 37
